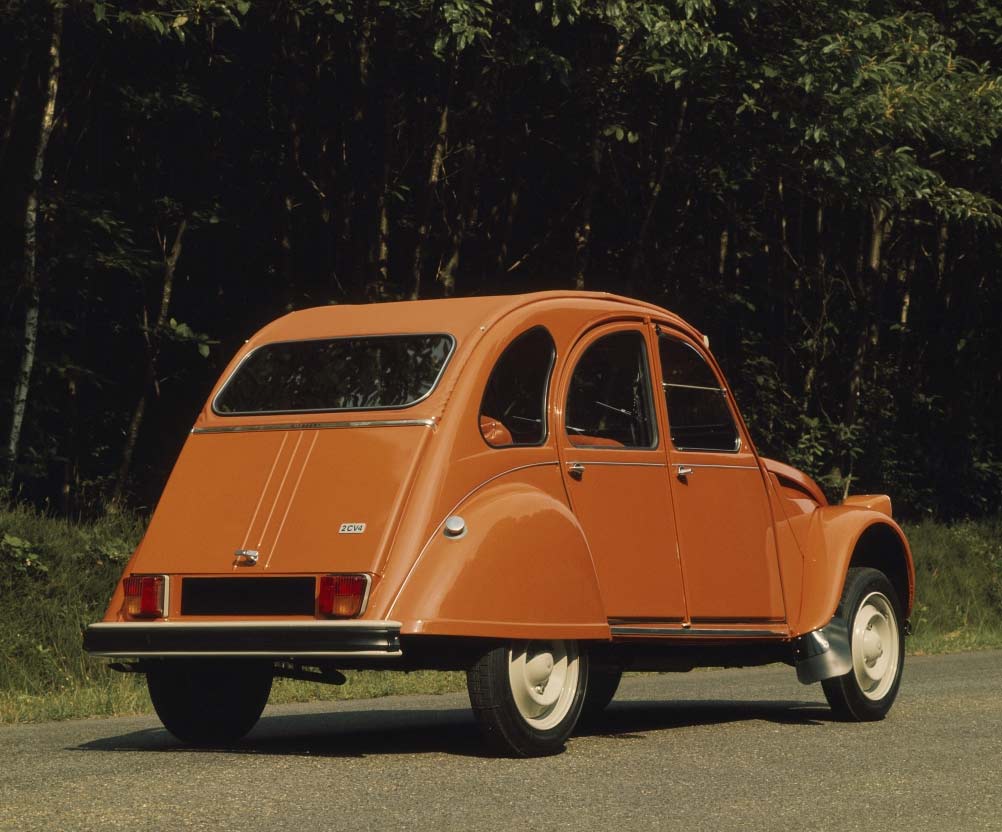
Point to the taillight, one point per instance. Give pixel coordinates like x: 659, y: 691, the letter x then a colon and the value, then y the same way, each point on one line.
x: 144, y: 596
x: 342, y: 596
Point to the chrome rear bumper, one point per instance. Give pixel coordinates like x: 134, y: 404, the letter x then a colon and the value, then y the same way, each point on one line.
x: 251, y: 639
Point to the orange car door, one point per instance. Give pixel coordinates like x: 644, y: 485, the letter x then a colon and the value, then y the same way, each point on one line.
x: 616, y: 474
x: 722, y: 513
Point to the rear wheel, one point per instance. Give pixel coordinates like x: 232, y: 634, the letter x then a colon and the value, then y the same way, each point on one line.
x: 602, y: 686
x: 209, y: 703
x: 528, y: 695
x: 877, y: 642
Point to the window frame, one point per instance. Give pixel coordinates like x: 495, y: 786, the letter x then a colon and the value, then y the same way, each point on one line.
x: 546, y: 391
x: 614, y: 328
x: 660, y: 332
x: 434, y: 386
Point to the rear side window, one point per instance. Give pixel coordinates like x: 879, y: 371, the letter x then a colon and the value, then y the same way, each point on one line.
x: 698, y: 415
x: 365, y: 373
x: 513, y: 410
x: 609, y: 403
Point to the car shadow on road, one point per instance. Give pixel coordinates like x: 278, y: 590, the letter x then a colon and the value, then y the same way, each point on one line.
x: 630, y: 719
x: 453, y: 731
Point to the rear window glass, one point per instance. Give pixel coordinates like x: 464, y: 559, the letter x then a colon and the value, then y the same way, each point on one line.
x: 370, y: 373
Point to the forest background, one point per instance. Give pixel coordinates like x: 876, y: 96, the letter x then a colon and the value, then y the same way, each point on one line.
x: 814, y: 184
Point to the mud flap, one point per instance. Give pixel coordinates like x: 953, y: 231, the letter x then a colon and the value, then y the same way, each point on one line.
x: 823, y: 654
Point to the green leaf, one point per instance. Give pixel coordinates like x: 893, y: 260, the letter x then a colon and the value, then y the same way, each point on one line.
x: 203, y: 350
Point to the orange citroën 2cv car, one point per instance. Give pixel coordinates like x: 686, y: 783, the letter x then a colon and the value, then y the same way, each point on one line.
x: 542, y: 490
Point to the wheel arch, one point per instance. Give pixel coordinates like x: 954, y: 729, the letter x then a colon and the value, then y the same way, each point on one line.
x: 521, y: 569
x: 884, y: 547
x: 841, y: 537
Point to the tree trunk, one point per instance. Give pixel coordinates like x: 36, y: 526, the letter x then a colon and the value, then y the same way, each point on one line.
x: 658, y: 185
x: 467, y: 217
x: 152, y: 336
x: 15, y: 100
x: 582, y: 234
x: 434, y: 176
x: 722, y: 255
x: 868, y: 288
x: 30, y: 276
x: 379, y: 288
x: 509, y: 225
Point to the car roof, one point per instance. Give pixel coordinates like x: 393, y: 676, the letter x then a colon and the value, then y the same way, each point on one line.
x: 458, y: 316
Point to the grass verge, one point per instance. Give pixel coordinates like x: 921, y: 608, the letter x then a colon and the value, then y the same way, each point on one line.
x: 56, y: 577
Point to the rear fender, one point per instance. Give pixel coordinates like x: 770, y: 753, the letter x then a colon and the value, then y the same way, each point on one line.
x: 520, y: 569
x: 851, y: 535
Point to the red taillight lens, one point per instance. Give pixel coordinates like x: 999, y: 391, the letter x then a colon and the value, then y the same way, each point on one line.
x: 144, y: 596
x: 341, y: 596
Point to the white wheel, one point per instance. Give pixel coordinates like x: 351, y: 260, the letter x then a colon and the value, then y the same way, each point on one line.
x: 528, y: 695
x: 875, y: 645
x: 544, y: 680
x: 876, y: 642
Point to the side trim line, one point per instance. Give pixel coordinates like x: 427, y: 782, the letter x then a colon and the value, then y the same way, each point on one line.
x: 371, y: 423
x: 700, y: 632
x: 710, y: 465
x: 588, y: 462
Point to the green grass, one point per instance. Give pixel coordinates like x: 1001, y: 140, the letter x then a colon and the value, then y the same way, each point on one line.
x: 958, y: 579
x: 56, y: 577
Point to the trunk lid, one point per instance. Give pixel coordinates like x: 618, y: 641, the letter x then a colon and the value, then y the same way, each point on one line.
x: 306, y: 499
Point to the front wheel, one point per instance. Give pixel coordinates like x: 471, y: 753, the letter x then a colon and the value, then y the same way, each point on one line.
x: 528, y: 695
x: 204, y: 702
x: 877, y: 643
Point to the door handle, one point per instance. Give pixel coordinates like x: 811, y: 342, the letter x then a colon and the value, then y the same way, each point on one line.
x: 576, y: 470
x: 683, y: 472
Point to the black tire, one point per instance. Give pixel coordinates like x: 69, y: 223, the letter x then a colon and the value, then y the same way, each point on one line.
x: 603, y: 682
x: 872, y: 610
x: 517, y: 718
x: 203, y: 702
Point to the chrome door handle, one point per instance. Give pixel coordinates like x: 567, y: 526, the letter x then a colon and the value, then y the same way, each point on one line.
x: 576, y: 470
x: 683, y: 471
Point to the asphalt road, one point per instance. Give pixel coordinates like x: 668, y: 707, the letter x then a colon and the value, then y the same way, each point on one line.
x: 711, y: 750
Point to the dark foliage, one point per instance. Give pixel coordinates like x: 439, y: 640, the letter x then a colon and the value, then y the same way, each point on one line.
x: 813, y: 184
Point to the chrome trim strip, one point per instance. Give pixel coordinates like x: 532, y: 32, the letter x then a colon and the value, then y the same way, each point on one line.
x: 371, y: 423
x: 264, y: 654
x: 667, y: 384
x: 690, y: 631
x: 588, y: 462
x: 711, y: 465
x: 246, y: 624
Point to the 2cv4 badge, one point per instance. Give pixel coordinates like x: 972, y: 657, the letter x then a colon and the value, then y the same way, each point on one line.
x: 351, y: 528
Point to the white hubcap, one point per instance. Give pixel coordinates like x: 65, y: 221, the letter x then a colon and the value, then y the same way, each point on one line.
x: 544, y: 680
x: 875, y: 646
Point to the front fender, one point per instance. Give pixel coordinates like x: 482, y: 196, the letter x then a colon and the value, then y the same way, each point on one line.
x: 522, y: 568
x: 844, y: 536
